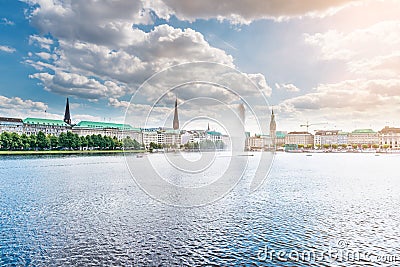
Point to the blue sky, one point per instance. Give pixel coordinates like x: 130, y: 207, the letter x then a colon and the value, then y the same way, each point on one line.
x: 332, y: 61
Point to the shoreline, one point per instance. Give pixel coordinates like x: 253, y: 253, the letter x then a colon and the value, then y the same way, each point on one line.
x: 67, y: 152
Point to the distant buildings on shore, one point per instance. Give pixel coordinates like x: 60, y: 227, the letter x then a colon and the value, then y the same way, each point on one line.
x: 387, y: 138
x: 166, y: 137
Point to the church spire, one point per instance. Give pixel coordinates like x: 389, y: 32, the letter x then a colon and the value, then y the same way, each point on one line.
x: 176, y: 120
x: 67, y: 115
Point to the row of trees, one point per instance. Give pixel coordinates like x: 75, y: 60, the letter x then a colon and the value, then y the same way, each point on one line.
x: 69, y: 140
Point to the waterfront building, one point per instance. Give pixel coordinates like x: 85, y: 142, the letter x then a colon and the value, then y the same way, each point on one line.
x: 343, y: 138
x: 119, y: 131
x: 363, y: 137
x: 213, y: 136
x: 280, y: 138
x: 162, y: 136
x: 47, y: 126
x: 259, y: 143
x: 11, y: 125
x: 299, y: 138
x: 172, y: 138
x: 149, y: 137
x: 389, y: 137
x: 322, y: 138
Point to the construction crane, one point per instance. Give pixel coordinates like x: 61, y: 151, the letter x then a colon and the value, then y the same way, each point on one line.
x: 312, y: 124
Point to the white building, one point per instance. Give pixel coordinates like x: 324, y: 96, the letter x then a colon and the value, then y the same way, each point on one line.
x: 11, y: 125
x: 112, y: 130
x: 322, y: 138
x: 47, y: 126
x: 363, y: 137
x: 161, y: 136
x: 299, y: 138
x: 389, y: 137
x: 259, y: 143
x: 343, y: 138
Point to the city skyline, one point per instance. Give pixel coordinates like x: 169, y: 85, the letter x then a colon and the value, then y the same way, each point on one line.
x: 205, y: 123
x: 325, y: 62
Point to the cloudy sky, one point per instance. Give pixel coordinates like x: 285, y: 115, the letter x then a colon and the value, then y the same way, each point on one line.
x: 334, y: 61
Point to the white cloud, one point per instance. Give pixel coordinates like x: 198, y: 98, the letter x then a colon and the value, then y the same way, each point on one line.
x: 365, y: 51
x: 244, y: 11
x: 351, y: 95
x: 6, y: 21
x: 287, y: 86
x: 7, y: 49
x: 77, y: 85
x: 18, y: 103
x: 42, y: 42
x: 115, y: 51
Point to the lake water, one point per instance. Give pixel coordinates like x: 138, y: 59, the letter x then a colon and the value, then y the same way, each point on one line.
x: 88, y: 211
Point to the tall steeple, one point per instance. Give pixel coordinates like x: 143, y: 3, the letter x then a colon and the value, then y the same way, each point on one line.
x: 67, y: 115
x: 272, y: 129
x: 176, y: 120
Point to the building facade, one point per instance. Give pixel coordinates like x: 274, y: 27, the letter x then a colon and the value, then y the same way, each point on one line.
x: 363, y: 137
x: 112, y: 130
x: 322, y: 138
x: 47, y: 126
x: 11, y: 125
x: 259, y: 143
x: 280, y: 138
x: 389, y: 137
x: 299, y: 138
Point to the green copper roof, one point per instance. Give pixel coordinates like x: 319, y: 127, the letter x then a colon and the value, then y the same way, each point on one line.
x: 280, y: 134
x: 49, y: 122
x: 363, y: 131
x: 103, y: 125
x: 214, y: 133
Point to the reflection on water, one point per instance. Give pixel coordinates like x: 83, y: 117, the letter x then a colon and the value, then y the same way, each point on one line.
x: 88, y: 211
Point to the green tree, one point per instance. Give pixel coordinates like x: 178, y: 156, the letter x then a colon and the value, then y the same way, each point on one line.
x: 33, y: 141
x: 73, y: 140
x: 16, y: 143
x: 43, y: 141
x: 25, y: 142
x: 84, y: 141
x: 89, y: 141
x: 326, y: 146
x: 5, y: 140
x: 62, y: 140
x: 386, y: 146
x: 53, y: 141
